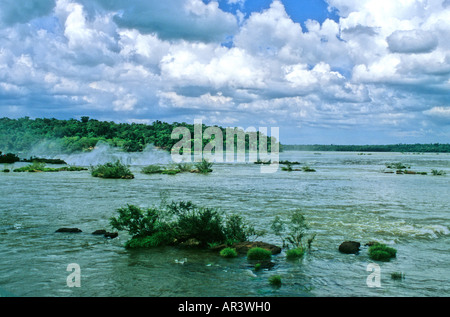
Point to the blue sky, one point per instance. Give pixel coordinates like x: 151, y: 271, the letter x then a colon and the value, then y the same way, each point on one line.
x: 299, y: 10
x: 323, y: 71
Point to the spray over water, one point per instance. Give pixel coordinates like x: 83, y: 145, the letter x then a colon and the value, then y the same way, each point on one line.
x: 104, y: 153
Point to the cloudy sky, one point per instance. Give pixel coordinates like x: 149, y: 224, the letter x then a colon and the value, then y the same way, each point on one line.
x: 323, y: 71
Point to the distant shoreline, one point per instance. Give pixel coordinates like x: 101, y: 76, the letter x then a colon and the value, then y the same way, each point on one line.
x: 401, y: 148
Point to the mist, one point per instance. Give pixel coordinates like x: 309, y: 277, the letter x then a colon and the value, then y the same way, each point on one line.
x: 102, y: 153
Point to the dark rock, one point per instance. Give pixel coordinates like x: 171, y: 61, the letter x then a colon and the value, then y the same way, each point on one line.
x: 371, y: 243
x: 263, y: 264
x: 111, y: 235
x: 349, y: 247
x: 99, y: 232
x: 72, y: 230
x: 243, y: 247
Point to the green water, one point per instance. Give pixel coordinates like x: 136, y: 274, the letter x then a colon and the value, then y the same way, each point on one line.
x: 347, y: 198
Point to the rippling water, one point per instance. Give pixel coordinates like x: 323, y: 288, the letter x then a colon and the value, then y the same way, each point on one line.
x: 348, y: 198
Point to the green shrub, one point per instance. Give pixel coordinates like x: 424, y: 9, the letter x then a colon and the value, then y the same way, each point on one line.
x: 435, y: 172
x: 257, y: 253
x: 33, y: 167
x: 308, y: 169
x: 112, y: 170
x: 297, y: 230
x: 138, y: 222
x: 180, y: 222
x: 293, y: 254
x: 228, y: 253
x: 184, y: 167
x: 6, y: 170
x: 204, y: 167
x: 159, y: 238
x: 381, y: 252
x: 237, y: 230
x: 203, y: 224
x: 275, y: 280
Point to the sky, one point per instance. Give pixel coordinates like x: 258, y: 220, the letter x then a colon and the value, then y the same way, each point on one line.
x: 322, y: 71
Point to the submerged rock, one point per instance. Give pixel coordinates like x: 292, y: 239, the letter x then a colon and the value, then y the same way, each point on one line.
x: 106, y: 234
x: 72, y: 230
x: 349, y: 247
x: 98, y: 232
x: 111, y: 235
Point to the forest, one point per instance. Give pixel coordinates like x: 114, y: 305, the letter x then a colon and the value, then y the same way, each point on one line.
x: 71, y: 136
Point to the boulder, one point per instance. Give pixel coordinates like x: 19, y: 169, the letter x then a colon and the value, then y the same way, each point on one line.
x: 349, y: 247
x: 72, y: 230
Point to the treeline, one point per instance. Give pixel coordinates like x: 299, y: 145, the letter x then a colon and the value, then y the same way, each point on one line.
x: 417, y: 148
x: 70, y: 136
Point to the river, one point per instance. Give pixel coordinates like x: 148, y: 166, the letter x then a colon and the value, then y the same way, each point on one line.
x: 349, y: 197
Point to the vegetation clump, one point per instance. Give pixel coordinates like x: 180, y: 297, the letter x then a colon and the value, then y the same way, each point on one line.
x: 289, y: 162
x: 381, y: 252
x: 397, y: 166
x: 397, y: 276
x: 308, y: 169
x: 40, y: 167
x: 174, y: 169
x: 296, y: 253
x: 228, y: 253
x: 275, y: 280
x: 204, y: 167
x: 170, y: 171
x: 112, y: 170
x: 184, y: 167
x: 259, y: 254
x: 152, y: 169
x: 287, y: 168
x: 297, y: 230
x: 179, y: 222
x: 295, y: 237
x: 436, y: 172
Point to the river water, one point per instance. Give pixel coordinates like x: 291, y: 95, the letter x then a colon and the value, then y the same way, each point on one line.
x: 347, y: 198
